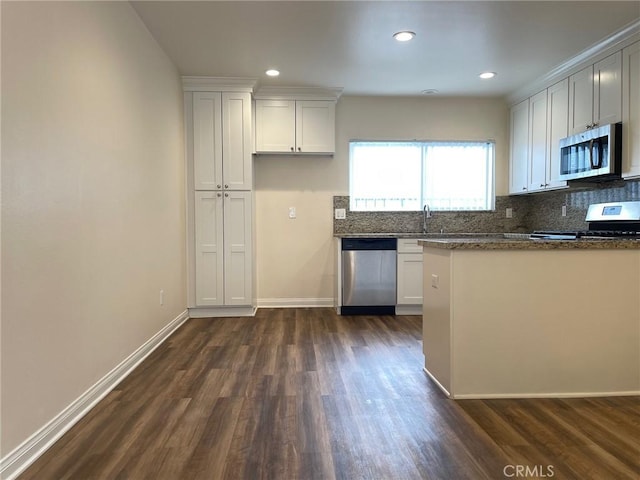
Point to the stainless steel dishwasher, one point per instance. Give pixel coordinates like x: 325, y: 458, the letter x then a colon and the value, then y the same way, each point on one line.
x: 368, y: 276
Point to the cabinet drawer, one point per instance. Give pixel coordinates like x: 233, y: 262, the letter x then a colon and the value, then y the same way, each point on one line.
x: 409, y: 245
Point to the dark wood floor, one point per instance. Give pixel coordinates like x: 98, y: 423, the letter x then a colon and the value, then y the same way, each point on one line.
x: 304, y: 393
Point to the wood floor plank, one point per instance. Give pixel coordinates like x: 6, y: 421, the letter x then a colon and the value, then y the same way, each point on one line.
x: 207, y: 459
x: 302, y: 393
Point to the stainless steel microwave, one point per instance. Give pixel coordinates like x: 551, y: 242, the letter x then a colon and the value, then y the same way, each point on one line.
x: 592, y: 155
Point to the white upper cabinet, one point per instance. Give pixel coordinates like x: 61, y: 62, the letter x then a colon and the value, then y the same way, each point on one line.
x: 207, y: 140
x: 631, y: 111
x: 557, y: 128
x: 222, y: 141
x: 607, y: 90
x: 537, y: 168
x: 537, y: 125
x: 275, y: 125
x: 295, y: 126
x: 237, y: 164
x: 595, y: 94
x: 581, y: 100
x: 315, y: 126
x: 519, y: 153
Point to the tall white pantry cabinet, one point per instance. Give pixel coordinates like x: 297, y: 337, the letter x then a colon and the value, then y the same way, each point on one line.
x: 220, y: 246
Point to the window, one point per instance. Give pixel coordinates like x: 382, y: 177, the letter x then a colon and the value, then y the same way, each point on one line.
x: 396, y: 176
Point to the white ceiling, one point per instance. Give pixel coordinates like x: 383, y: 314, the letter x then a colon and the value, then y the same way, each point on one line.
x: 349, y: 44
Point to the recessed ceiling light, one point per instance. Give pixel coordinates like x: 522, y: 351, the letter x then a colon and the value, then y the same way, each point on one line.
x: 272, y: 72
x: 487, y: 74
x: 404, y: 36
x: 430, y: 91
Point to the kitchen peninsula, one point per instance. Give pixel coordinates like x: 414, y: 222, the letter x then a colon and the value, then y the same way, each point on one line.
x: 514, y: 317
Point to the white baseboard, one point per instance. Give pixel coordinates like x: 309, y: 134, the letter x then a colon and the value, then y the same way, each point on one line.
x: 483, y: 396
x: 488, y: 396
x: 295, y: 302
x: 28, y: 452
x: 435, y: 380
x: 408, y: 309
x: 226, y: 311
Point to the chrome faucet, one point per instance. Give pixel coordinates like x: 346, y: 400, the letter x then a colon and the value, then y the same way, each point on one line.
x: 426, y: 213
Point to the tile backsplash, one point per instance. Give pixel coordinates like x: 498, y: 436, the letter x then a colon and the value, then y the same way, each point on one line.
x: 545, y: 208
x: 530, y: 212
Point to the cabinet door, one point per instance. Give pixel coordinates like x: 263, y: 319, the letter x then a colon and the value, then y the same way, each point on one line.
x: 236, y: 141
x: 409, y: 279
x: 581, y: 100
x: 207, y: 140
x: 537, y: 167
x: 518, y: 161
x: 631, y: 111
x: 315, y: 126
x: 275, y: 126
x: 557, y: 128
x: 238, y: 253
x: 209, y: 259
x: 607, y: 90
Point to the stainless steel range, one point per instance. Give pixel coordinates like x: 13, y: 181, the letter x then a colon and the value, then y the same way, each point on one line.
x: 606, y: 220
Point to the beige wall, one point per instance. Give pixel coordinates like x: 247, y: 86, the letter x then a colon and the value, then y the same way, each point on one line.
x: 295, y: 257
x: 92, y: 201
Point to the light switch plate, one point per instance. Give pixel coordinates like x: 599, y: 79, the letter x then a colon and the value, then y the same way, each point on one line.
x: 292, y: 212
x: 340, y: 213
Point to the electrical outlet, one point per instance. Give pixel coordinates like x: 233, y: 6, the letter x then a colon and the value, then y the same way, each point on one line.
x: 292, y: 212
x: 340, y: 213
x: 564, y: 210
x: 509, y: 212
x: 435, y: 281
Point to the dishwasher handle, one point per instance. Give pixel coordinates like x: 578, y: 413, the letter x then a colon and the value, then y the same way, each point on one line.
x: 369, y: 243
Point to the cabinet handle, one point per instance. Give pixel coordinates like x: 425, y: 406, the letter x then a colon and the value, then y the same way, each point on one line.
x: 219, y: 194
x: 524, y: 188
x: 542, y: 185
x: 226, y: 186
x: 219, y: 186
x: 226, y: 194
x: 299, y: 149
x: 292, y: 149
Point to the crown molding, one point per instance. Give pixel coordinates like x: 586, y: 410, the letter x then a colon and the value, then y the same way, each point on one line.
x: 226, y: 84
x: 297, y: 93
x: 614, y: 42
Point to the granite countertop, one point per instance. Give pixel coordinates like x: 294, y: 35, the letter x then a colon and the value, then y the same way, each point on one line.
x: 380, y: 235
x: 420, y: 235
x: 500, y: 241
x: 523, y: 242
